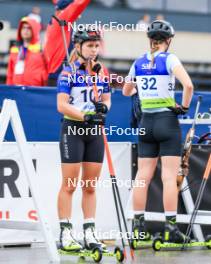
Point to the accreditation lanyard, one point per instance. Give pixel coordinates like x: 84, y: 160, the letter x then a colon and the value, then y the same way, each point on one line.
x: 19, y: 66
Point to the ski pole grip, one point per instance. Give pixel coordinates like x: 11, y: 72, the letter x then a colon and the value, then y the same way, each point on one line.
x: 60, y: 22
x: 56, y: 18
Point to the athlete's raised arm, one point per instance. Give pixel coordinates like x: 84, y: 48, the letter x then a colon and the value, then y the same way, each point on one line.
x: 181, y: 74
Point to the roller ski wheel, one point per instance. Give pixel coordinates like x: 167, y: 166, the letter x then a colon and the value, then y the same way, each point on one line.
x: 119, y: 253
x: 97, y: 254
x: 208, y: 241
x: 134, y: 244
x: 157, y: 244
x: 139, y: 232
x: 139, y: 240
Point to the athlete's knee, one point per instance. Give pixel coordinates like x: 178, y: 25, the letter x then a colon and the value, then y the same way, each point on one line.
x: 88, y: 189
x: 143, y: 179
x: 69, y: 187
x: 169, y: 178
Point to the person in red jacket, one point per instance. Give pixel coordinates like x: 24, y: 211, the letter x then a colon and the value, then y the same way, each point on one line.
x: 54, y: 50
x: 26, y: 64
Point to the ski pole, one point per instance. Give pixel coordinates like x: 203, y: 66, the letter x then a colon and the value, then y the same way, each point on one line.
x: 62, y: 24
x: 118, y: 217
x: 117, y: 199
x: 198, y: 200
x: 115, y: 189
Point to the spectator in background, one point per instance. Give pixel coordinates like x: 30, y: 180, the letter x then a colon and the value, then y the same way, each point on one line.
x: 35, y: 14
x: 160, y: 17
x: 109, y: 3
x: 54, y: 50
x: 26, y: 64
x: 144, y: 21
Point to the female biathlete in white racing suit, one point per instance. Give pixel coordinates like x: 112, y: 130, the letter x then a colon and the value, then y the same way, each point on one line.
x: 154, y: 74
x: 79, y: 147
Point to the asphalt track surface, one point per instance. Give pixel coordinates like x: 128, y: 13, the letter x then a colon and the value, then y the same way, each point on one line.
x: 38, y: 255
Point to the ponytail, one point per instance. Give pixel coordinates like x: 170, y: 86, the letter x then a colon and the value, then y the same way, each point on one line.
x: 73, y: 56
x: 154, y: 44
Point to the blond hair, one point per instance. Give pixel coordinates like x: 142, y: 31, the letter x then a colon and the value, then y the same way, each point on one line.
x: 154, y: 47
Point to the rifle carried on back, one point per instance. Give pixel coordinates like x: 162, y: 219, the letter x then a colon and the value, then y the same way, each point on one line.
x: 184, y: 166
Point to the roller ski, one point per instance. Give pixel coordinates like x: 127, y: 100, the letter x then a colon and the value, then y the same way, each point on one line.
x: 173, y: 238
x: 70, y: 246
x: 91, y: 242
x: 96, y: 254
x: 93, y: 248
x: 140, y: 237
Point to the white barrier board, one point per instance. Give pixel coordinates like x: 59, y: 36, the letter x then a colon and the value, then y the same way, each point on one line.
x: 16, y: 203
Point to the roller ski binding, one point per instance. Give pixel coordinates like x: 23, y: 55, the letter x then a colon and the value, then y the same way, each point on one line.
x: 140, y: 236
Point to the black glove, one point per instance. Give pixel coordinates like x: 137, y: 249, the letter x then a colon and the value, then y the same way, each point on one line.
x: 100, y: 107
x: 96, y: 68
x: 82, y: 67
x: 97, y: 119
x: 179, y: 110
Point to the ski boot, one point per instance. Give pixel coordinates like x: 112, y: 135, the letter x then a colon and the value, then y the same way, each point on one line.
x: 172, y: 234
x: 71, y: 247
x: 171, y: 239
x: 67, y: 241
x: 92, y: 243
x: 90, y: 239
x: 140, y: 236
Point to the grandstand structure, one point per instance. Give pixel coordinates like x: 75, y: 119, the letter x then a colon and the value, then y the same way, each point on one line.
x: 191, y: 20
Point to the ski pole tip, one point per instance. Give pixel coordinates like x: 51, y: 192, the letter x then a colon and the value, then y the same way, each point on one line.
x: 125, y: 254
x: 132, y: 254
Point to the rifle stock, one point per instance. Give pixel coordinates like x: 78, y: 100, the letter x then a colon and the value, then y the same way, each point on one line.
x: 184, y: 166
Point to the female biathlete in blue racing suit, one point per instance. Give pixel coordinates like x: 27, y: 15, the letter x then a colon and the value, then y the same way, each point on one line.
x: 79, y: 147
x: 154, y: 74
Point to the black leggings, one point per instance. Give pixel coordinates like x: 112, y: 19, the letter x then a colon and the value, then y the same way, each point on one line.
x: 162, y: 135
x: 79, y: 144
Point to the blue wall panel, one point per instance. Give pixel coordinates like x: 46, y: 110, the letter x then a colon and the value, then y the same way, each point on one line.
x: 41, y: 121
